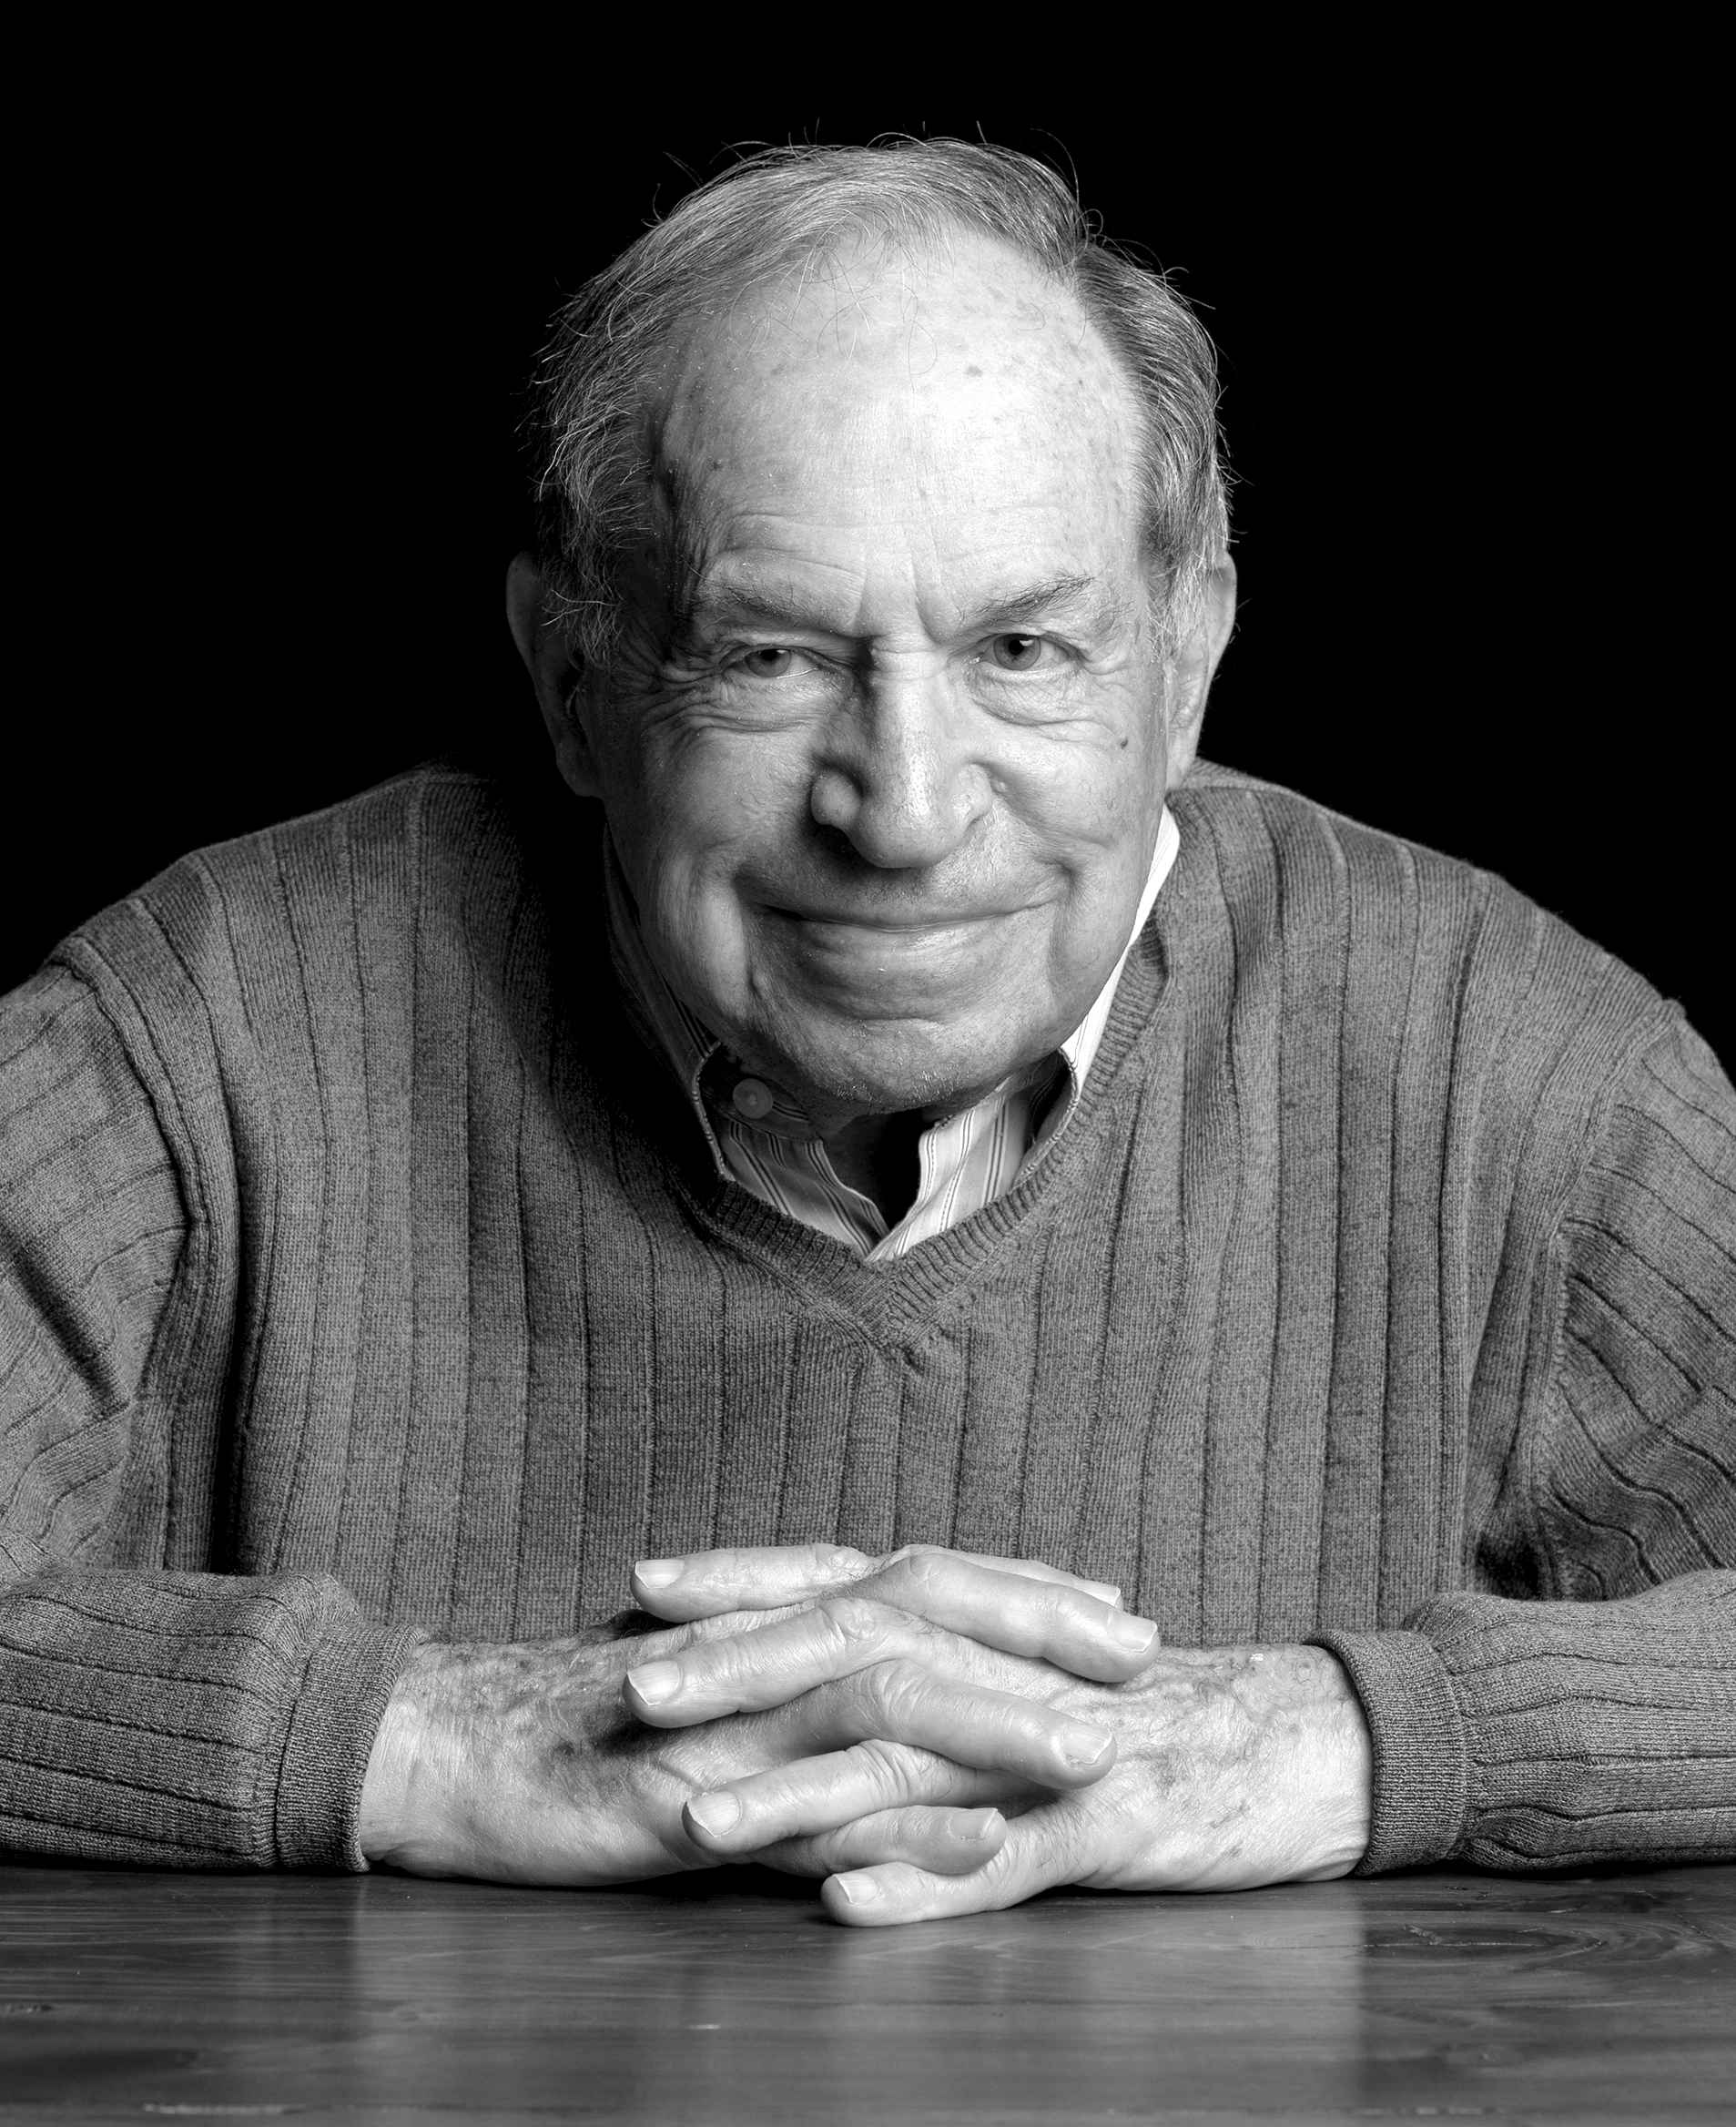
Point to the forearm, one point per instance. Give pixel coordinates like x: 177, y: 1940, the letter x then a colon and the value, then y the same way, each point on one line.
x: 1521, y: 1735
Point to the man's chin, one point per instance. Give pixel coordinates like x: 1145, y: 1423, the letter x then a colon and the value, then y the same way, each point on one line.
x: 891, y: 1065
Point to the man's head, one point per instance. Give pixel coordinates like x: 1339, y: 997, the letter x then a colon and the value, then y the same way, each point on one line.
x: 883, y: 579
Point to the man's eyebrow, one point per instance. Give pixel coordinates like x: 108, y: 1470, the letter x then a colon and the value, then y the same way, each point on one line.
x: 775, y: 608
x: 1059, y: 591
x: 772, y: 607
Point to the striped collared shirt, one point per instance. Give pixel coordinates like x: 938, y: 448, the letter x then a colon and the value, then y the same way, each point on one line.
x: 762, y: 1140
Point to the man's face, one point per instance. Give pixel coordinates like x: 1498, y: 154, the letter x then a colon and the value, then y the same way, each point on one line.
x: 884, y: 755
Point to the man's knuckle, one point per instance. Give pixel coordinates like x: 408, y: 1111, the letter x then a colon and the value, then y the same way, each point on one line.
x: 898, y: 1690
x: 876, y: 1767
x: 840, y: 1561
x: 894, y: 1772
x: 934, y: 1572
x: 852, y: 1622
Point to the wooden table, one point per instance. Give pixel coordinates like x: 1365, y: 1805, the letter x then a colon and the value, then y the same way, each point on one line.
x: 731, y: 1998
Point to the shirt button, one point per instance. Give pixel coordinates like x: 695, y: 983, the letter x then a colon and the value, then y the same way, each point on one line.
x: 752, y: 1099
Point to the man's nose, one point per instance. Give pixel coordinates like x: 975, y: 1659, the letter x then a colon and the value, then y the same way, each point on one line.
x: 899, y: 779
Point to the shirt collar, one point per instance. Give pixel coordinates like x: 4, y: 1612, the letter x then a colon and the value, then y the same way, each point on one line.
x: 1079, y: 1049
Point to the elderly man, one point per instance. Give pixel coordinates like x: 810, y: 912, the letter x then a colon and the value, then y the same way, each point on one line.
x: 924, y: 1123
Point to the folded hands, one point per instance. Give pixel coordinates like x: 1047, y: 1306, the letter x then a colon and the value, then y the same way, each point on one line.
x: 931, y: 1733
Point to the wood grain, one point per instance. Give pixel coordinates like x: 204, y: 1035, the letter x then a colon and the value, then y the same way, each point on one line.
x: 730, y: 1998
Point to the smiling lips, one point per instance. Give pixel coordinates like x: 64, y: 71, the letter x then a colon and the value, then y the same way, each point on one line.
x: 873, y: 940
x: 894, y: 926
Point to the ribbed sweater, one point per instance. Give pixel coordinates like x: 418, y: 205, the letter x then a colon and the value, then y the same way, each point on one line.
x: 364, y: 1277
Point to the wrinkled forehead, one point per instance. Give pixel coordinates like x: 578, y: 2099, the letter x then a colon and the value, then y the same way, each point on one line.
x: 876, y: 383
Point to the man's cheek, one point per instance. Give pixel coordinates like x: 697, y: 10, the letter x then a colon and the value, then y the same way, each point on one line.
x: 1088, y: 785
x: 716, y: 793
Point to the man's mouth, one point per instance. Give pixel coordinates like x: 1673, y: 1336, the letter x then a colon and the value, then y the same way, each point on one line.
x: 905, y: 922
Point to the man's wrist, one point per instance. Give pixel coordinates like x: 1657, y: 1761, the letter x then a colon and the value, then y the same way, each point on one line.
x: 385, y: 1826
x: 385, y: 1790
x: 1343, y: 1788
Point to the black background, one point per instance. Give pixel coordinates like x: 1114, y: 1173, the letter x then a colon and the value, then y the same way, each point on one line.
x: 275, y: 362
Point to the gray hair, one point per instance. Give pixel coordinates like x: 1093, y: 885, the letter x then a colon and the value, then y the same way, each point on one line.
x: 789, y: 207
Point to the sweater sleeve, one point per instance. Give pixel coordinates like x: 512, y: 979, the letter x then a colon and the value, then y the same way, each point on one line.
x: 1598, y: 1724
x: 148, y: 1715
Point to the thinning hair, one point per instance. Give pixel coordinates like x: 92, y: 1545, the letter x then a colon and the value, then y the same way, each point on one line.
x: 789, y: 207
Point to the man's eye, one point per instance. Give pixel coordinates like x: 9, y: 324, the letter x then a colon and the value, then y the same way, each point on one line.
x: 1017, y: 653
x: 768, y: 662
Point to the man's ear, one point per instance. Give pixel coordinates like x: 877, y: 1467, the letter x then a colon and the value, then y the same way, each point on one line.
x: 554, y: 673
x: 1191, y: 679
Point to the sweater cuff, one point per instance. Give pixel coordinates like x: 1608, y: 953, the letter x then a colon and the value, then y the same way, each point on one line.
x: 349, y: 1677
x: 1421, y: 1760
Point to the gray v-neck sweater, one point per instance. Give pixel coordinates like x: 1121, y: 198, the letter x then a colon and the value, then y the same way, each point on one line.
x: 361, y: 1273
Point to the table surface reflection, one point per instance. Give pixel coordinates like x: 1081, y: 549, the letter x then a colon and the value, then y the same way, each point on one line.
x: 135, y: 1995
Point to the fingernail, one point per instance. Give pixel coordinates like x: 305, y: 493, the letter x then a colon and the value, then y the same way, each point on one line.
x: 1080, y: 1745
x: 656, y: 1681
x: 1105, y: 1591
x: 857, y: 1891
x: 1134, y: 1633
x: 658, y: 1572
x: 973, y: 1826
x: 716, y: 1814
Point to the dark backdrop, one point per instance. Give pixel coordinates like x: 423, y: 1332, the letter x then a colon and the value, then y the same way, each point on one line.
x: 279, y: 367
